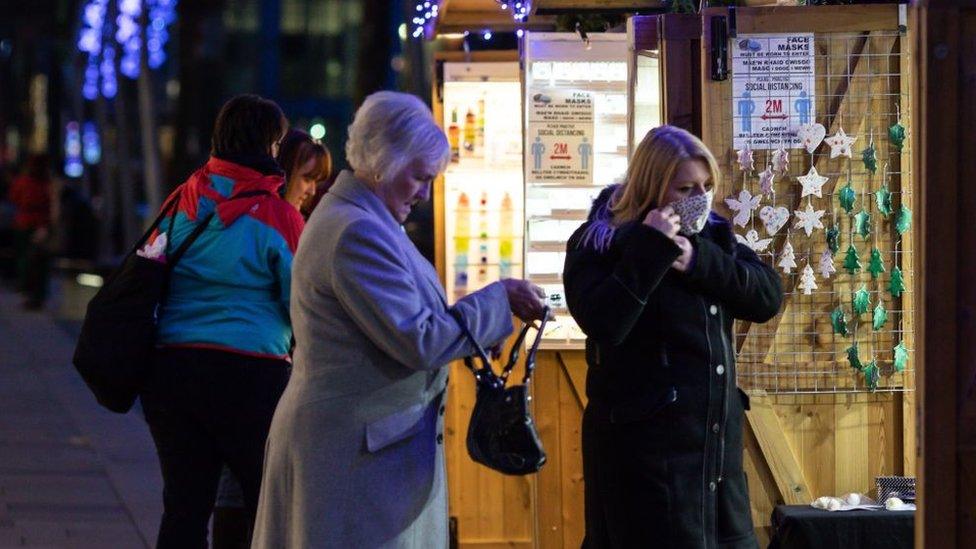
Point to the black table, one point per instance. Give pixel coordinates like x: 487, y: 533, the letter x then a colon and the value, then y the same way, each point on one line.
x: 802, y: 527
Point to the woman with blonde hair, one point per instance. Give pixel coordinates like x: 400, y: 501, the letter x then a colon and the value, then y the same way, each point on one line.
x: 355, y: 457
x: 655, y: 280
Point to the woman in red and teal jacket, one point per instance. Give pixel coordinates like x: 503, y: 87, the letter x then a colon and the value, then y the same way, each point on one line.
x: 224, y: 332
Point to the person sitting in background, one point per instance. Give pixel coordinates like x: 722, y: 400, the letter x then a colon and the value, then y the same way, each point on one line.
x: 224, y: 333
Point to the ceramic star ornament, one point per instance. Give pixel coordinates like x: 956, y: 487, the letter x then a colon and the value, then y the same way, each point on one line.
x: 766, y: 180
x: 744, y: 158
x: 812, y: 183
x: 808, y: 219
x: 826, y: 266
x: 752, y: 240
x: 781, y: 161
x: 840, y: 144
x: 743, y: 206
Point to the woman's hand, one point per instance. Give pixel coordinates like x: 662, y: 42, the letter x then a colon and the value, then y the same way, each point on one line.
x: 664, y: 220
x: 683, y: 263
x: 525, y: 299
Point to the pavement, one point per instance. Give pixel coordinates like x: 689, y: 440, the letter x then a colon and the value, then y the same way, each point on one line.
x: 72, y: 474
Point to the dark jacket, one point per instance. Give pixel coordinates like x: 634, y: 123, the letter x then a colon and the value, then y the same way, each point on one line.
x: 662, y: 432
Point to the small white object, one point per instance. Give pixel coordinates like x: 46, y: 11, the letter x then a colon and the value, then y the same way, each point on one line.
x: 808, y: 219
x: 840, y: 144
x: 807, y: 281
x: 812, y: 183
x: 766, y: 180
x: 834, y: 504
x: 720, y: 369
x: 781, y: 161
x: 811, y: 135
x: 774, y: 218
x: 713, y: 310
x: 743, y: 206
x: 787, y: 260
x: 745, y: 159
x: 752, y: 240
x: 155, y: 249
x: 894, y: 504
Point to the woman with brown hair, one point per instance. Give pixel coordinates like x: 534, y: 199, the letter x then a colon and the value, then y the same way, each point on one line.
x: 655, y: 280
x: 307, y: 164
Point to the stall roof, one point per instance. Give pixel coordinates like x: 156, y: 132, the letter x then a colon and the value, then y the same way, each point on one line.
x: 471, y: 15
x: 560, y: 6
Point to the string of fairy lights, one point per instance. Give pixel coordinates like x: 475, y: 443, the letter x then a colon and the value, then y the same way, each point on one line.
x: 427, y: 12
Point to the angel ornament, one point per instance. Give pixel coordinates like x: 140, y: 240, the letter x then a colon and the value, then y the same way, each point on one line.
x: 752, y: 240
x: 743, y: 207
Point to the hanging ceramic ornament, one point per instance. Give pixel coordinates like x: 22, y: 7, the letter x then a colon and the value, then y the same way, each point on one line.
x: 879, y: 317
x: 896, y: 133
x: 807, y: 281
x: 744, y: 157
x: 811, y: 135
x: 876, y: 264
x: 808, y: 219
x: 787, y: 260
x: 870, y: 158
x: 743, y: 206
x: 752, y: 240
x: 862, y: 224
x: 826, y: 266
x: 833, y: 239
x: 781, y: 161
x: 872, y: 375
x: 838, y: 321
x: 860, y: 301
x: 847, y: 196
x: 774, y: 218
x: 852, y: 263
x: 896, y: 286
x: 901, y: 357
x: 904, y: 220
x: 840, y: 144
x: 812, y: 183
x: 882, y: 197
x: 852, y: 357
x: 766, y: 180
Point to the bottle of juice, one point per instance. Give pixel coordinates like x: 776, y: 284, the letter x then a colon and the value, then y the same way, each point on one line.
x: 454, y: 137
x: 469, y: 131
x: 506, y: 237
x: 479, y: 136
x: 462, y: 240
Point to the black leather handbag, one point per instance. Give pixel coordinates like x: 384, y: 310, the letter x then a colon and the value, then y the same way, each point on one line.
x: 501, y: 434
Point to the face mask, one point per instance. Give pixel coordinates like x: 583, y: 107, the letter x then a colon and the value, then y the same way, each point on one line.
x: 693, y: 212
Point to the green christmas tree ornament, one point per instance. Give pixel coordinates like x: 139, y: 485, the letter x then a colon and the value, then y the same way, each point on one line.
x: 879, y: 317
x: 876, y: 264
x: 901, y: 357
x: 862, y: 224
x: 853, y: 359
x: 897, y: 134
x: 904, y: 220
x: 839, y: 321
x: 847, y: 196
x: 872, y: 375
x: 896, y: 286
x: 852, y: 263
x: 883, y: 198
x: 833, y: 239
x: 870, y: 158
x: 861, y: 301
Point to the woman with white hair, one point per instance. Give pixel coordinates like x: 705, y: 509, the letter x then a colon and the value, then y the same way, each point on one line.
x: 355, y: 456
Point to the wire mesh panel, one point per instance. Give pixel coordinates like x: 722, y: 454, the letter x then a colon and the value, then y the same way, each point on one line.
x: 852, y: 329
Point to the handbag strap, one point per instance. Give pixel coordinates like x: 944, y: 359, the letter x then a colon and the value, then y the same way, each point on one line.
x: 201, y: 226
x: 485, y: 371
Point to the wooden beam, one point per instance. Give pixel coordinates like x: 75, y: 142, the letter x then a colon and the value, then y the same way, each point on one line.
x: 554, y: 6
x: 781, y: 460
x: 574, y: 364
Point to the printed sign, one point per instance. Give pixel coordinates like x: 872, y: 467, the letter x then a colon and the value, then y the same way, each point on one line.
x: 773, y: 89
x: 559, y: 140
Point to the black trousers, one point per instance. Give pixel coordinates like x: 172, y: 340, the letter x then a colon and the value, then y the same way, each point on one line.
x: 206, y: 408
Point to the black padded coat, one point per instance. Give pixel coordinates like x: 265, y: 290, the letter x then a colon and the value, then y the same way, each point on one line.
x: 662, y: 431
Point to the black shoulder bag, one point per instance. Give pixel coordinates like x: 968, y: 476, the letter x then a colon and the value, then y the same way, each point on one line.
x: 114, y: 349
x: 501, y: 434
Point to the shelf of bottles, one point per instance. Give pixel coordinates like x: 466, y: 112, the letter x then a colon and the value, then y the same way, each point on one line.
x: 483, y: 189
x: 576, y: 136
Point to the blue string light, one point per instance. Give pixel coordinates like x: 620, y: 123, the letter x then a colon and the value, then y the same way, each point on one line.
x: 425, y: 16
x: 519, y: 8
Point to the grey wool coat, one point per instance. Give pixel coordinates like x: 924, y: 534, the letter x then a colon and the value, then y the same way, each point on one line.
x: 354, y: 458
